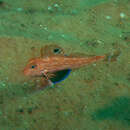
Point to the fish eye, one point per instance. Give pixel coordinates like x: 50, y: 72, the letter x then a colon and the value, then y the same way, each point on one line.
x: 33, y: 66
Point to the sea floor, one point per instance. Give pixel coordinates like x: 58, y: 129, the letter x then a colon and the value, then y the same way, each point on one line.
x: 95, y: 97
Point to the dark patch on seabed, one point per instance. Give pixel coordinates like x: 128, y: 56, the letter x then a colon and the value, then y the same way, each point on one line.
x: 119, y: 110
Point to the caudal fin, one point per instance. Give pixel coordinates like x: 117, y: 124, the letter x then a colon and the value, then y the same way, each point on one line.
x: 112, y: 56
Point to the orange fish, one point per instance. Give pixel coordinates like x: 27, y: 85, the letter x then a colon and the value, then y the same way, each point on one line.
x: 52, y: 61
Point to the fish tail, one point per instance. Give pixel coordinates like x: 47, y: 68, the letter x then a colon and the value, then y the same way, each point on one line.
x: 110, y: 57
x: 91, y: 60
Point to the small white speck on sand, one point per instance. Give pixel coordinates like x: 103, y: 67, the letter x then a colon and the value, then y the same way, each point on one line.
x: 56, y: 5
x: 19, y: 9
x: 94, y: 64
x: 122, y: 15
x: 108, y: 17
x: 50, y: 8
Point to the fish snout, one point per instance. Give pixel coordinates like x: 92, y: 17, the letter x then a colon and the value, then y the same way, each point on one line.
x: 26, y: 72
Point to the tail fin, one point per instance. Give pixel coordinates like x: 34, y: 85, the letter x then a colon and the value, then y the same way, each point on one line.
x: 112, y: 56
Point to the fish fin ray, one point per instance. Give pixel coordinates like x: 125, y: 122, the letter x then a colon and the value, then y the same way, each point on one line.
x: 51, y: 50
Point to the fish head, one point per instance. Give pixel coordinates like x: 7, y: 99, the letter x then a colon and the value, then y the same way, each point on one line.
x: 33, y: 68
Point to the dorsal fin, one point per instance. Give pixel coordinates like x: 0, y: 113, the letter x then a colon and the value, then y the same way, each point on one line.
x: 51, y: 50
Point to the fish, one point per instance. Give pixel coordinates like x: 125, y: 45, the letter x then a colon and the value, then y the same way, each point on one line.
x: 53, y: 60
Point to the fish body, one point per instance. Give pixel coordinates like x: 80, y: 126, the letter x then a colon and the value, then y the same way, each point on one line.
x: 38, y: 66
x: 53, y: 61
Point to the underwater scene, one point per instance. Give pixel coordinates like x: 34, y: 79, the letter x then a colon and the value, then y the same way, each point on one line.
x: 64, y: 64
